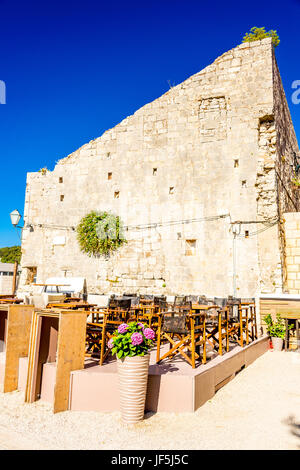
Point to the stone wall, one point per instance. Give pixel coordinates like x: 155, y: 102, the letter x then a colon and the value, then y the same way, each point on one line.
x: 292, y: 240
x: 204, y: 150
x: 286, y: 147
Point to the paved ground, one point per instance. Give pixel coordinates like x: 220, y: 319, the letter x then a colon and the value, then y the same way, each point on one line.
x: 259, y: 409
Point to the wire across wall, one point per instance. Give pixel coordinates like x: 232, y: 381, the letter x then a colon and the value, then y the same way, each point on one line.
x: 268, y: 223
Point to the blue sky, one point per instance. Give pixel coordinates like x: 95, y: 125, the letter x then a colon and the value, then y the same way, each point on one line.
x: 74, y: 69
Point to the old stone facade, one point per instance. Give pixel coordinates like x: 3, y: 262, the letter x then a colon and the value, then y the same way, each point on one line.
x: 213, y: 151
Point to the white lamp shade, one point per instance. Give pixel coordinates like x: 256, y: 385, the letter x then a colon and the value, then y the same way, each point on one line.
x: 15, y: 217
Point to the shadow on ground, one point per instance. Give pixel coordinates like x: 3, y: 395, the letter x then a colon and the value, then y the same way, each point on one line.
x: 294, y: 427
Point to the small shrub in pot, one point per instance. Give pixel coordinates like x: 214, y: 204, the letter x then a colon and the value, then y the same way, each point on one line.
x: 276, y: 330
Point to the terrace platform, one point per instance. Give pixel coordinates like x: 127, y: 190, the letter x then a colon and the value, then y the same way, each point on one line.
x: 173, y: 386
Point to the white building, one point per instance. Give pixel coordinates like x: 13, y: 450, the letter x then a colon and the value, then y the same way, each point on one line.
x: 6, y: 278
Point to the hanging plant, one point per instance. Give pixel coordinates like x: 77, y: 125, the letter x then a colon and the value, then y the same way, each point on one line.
x: 100, y: 233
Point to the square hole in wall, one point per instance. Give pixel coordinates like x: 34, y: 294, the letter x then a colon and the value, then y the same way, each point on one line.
x: 117, y: 194
x: 171, y: 190
x: 244, y: 183
x: 31, y: 275
x: 246, y: 233
x: 62, y: 197
x: 60, y: 180
x: 235, y: 163
x: 109, y: 176
x: 190, y: 247
x: 154, y: 171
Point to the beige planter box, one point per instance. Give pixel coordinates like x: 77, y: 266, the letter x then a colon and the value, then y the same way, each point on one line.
x: 133, y: 379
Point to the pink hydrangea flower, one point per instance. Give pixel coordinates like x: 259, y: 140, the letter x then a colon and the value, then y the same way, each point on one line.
x: 123, y: 328
x: 110, y: 343
x: 149, y: 333
x: 136, y: 339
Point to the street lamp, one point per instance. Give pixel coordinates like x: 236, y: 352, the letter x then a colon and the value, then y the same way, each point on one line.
x: 15, y: 218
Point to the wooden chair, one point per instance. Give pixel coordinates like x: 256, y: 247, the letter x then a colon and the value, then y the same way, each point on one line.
x: 178, y: 327
x: 252, y: 322
x: 146, y: 297
x: 148, y: 310
x: 223, y: 324
x: 179, y: 300
x: 216, y: 325
x: 236, y: 321
x: 100, y: 332
x: 192, y: 298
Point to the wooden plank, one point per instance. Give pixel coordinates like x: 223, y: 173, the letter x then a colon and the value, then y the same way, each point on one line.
x: 70, y: 354
x: 3, y: 326
x: 17, y: 342
x: 67, y: 349
x: 30, y: 394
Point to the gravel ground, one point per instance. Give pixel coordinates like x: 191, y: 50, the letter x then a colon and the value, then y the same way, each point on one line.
x: 259, y: 409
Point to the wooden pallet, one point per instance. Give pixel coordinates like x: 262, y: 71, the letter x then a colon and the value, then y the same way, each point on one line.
x: 56, y: 336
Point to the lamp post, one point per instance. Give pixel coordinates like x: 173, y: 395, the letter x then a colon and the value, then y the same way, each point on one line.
x: 236, y: 230
x: 15, y: 218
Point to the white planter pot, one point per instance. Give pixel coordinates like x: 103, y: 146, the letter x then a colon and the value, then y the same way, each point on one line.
x: 133, y: 378
x: 277, y: 343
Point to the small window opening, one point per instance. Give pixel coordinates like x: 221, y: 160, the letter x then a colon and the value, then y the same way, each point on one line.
x: 109, y: 176
x: 31, y: 275
x: 154, y: 171
x: 62, y: 197
x: 190, y: 247
x: 61, y: 180
x: 244, y: 183
x: 236, y: 163
x: 108, y: 155
x: 246, y: 233
x: 117, y: 194
x: 171, y: 190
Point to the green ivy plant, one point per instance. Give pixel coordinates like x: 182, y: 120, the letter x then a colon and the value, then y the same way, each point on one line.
x: 100, y: 233
x: 276, y: 329
x: 260, y: 33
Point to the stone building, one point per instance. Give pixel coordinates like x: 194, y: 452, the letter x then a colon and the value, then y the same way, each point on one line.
x: 6, y: 278
x: 200, y: 177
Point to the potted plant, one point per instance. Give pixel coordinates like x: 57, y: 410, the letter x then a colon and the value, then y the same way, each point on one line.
x: 276, y: 330
x: 131, y: 343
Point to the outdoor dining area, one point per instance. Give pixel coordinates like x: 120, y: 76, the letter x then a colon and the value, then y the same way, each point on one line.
x: 200, y: 343
x: 189, y: 325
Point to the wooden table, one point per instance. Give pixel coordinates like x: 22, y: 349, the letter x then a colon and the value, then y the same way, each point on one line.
x: 10, y: 301
x: 198, y: 307
x: 146, y: 301
x: 71, y: 305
